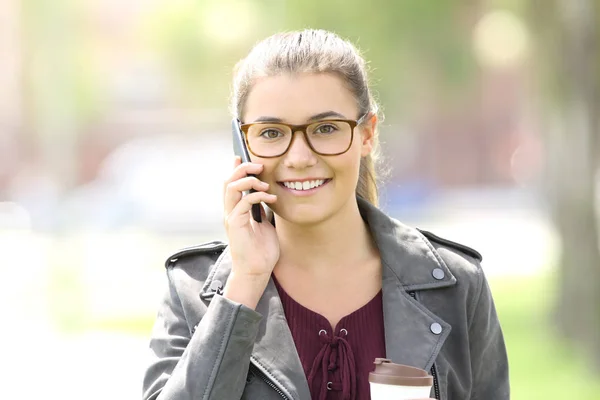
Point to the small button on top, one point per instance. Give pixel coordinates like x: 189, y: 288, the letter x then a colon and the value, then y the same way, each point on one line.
x: 216, y: 287
x: 436, y: 328
x: 438, y: 274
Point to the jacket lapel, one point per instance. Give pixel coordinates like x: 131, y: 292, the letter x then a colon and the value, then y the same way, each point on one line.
x: 275, y: 351
x: 411, y: 338
x: 413, y: 334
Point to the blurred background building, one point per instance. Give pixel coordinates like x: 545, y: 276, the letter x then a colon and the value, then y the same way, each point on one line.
x: 114, y: 143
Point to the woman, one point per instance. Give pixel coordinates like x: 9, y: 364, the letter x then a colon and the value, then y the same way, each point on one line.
x: 299, y: 306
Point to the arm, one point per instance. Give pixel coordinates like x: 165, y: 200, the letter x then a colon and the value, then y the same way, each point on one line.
x: 212, y: 363
x: 489, y: 362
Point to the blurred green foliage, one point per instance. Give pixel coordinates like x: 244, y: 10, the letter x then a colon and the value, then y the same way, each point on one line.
x: 401, y: 40
x: 58, y: 62
x: 541, y: 365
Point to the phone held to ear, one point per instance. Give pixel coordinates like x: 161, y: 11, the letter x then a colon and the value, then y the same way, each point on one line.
x: 240, y: 149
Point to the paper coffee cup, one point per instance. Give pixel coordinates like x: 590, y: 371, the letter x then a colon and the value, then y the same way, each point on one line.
x: 398, y: 382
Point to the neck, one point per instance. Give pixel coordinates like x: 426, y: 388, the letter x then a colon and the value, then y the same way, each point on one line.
x: 335, y: 244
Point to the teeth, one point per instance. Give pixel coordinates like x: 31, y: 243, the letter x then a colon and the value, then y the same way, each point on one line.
x: 306, y: 185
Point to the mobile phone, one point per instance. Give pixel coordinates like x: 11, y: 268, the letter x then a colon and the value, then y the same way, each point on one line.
x: 240, y: 149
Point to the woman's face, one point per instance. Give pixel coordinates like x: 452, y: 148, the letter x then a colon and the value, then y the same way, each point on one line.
x: 296, y: 99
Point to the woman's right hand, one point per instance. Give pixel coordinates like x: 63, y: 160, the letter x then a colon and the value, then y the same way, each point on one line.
x: 254, y: 246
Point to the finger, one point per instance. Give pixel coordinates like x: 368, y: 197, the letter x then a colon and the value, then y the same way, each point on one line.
x: 233, y: 191
x: 242, y: 170
x: 247, y: 183
x: 237, y: 160
x: 244, y: 206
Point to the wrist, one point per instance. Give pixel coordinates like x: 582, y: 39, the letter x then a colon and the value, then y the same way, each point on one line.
x: 246, y: 289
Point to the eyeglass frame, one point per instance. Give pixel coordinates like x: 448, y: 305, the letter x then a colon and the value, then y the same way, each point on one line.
x: 302, y: 128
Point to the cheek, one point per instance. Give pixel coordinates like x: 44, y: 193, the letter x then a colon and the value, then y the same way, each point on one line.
x: 268, y: 172
x: 348, y: 165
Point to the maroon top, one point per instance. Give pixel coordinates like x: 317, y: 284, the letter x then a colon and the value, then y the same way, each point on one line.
x: 337, y: 364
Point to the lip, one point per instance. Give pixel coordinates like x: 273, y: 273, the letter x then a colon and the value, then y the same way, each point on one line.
x: 303, y: 193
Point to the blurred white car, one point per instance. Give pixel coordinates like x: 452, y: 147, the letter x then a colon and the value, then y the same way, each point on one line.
x: 163, y: 184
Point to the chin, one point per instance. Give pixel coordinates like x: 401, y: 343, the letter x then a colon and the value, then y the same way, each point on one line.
x: 303, y: 214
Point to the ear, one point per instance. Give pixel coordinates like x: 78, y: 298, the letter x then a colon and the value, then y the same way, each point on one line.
x: 367, y: 136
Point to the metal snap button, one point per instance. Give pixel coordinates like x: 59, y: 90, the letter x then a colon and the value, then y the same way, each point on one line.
x: 438, y: 274
x: 216, y: 287
x: 436, y: 328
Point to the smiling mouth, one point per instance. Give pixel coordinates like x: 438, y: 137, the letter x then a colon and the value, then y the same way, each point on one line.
x: 304, y: 185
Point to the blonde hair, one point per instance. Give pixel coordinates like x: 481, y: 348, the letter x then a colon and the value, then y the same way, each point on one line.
x: 312, y: 51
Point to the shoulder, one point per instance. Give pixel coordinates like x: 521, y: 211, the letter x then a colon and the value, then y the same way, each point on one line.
x: 463, y: 261
x: 188, y: 270
x: 196, y: 252
x: 455, y: 247
x: 194, y: 262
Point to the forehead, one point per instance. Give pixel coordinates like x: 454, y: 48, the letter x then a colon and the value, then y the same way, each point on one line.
x: 295, y: 98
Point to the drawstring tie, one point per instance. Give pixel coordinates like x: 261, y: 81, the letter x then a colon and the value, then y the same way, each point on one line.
x: 335, y: 353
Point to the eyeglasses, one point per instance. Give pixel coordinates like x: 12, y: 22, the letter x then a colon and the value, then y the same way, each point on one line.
x: 329, y: 137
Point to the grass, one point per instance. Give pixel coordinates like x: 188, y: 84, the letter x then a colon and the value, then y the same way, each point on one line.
x: 541, y: 365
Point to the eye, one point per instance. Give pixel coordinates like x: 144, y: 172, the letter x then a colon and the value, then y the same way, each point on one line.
x: 270, y: 134
x: 326, y: 129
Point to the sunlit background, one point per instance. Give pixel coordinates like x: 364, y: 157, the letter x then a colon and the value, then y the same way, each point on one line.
x: 114, y: 142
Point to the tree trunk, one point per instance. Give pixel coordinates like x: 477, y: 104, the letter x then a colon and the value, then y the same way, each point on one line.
x: 572, y: 163
x: 49, y: 120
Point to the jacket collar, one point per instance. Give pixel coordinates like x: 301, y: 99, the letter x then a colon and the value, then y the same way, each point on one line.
x: 405, y: 253
x: 413, y: 334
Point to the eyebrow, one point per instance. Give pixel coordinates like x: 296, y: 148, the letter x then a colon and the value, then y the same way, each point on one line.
x: 316, y: 117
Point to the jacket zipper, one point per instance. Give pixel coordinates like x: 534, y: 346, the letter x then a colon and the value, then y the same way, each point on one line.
x: 436, y: 385
x: 262, y: 376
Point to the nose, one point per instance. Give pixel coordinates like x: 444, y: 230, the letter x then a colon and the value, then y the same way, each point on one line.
x: 299, y: 155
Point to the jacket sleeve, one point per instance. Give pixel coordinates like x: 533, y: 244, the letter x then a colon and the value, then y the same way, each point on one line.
x: 489, y: 361
x: 212, y: 363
